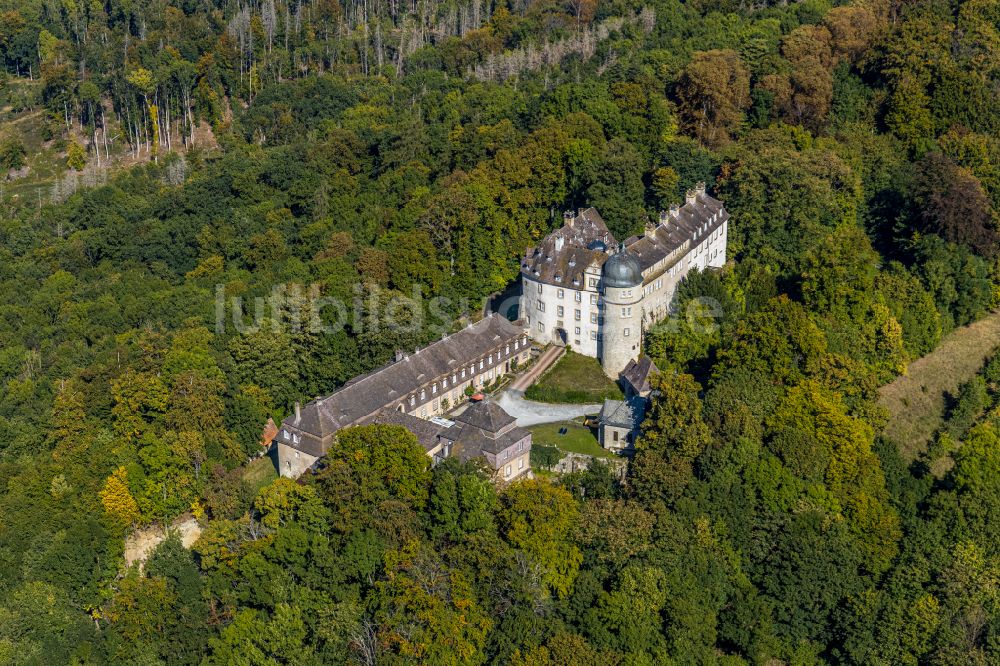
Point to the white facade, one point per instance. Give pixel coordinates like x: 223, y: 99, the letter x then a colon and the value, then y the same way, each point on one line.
x: 565, y: 298
x: 564, y: 314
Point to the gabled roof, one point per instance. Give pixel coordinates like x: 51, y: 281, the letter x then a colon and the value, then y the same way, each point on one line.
x: 622, y: 413
x: 362, y: 397
x: 584, y: 240
x: 638, y: 373
x: 700, y: 216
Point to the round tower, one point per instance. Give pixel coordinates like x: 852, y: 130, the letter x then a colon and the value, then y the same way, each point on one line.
x: 622, y: 328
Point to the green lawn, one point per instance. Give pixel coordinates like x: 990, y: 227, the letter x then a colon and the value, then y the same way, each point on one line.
x: 578, y: 438
x: 260, y: 472
x: 575, y: 378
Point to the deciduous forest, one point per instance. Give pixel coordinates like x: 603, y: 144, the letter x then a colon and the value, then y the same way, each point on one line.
x: 215, y: 149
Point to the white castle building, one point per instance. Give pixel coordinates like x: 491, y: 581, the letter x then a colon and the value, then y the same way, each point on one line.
x: 581, y: 287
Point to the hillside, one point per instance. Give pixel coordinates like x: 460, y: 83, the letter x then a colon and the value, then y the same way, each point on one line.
x: 917, y: 401
x: 211, y: 211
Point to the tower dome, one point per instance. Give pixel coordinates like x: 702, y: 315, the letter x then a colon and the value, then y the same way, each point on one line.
x: 622, y: 269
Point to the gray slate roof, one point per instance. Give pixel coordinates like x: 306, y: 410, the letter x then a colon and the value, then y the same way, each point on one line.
x: 690, y: 222
x: 360, y: 399
x: 426, y: 431
x: 483, y: 428
x: 622, y: 413
x: 564, y: 254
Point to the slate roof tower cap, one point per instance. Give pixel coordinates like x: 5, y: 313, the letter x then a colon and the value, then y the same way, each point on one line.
x: 622, y: 269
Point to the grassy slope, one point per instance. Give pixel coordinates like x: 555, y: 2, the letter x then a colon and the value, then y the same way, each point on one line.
x: 260, y: 472
x: 575, y: 379
x: 916, y: 401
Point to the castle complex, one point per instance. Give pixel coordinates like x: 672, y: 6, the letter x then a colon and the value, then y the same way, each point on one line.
x: 581, y: 287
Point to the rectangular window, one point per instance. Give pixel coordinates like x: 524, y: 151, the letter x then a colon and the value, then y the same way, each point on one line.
x: 539, y: 287
x: 615, y: 437
x: 592, y: 282
x: 627, y: 332
x: 627, y: 293
x: 593, y: 335
x: 576, y: 315
x: 576, y: 330
x: 541, y: 306
x: 560, y: 293
x: 578, y: 297
x: 520, y: 463
x: 541, y: 327
x: 508, y: 470
x: 593, y: 317
x: 593, y: 299
x: 559, y: 311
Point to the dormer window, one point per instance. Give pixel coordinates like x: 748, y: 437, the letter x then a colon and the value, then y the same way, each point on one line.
x: 434, y: 389
x: 423, y: 395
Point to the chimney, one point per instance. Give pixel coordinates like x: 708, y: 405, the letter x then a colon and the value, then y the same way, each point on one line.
x: 674, y: 209
x: 568, y: 217
x: 665, y: 216
x: 559, y: 243
x: 699, y: 189
x: 689, y: 197
x: 400, y: 355
x: 298, y: 412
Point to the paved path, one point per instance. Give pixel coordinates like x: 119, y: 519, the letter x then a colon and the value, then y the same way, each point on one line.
x: 529, y: 412
x: 542, y: 363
